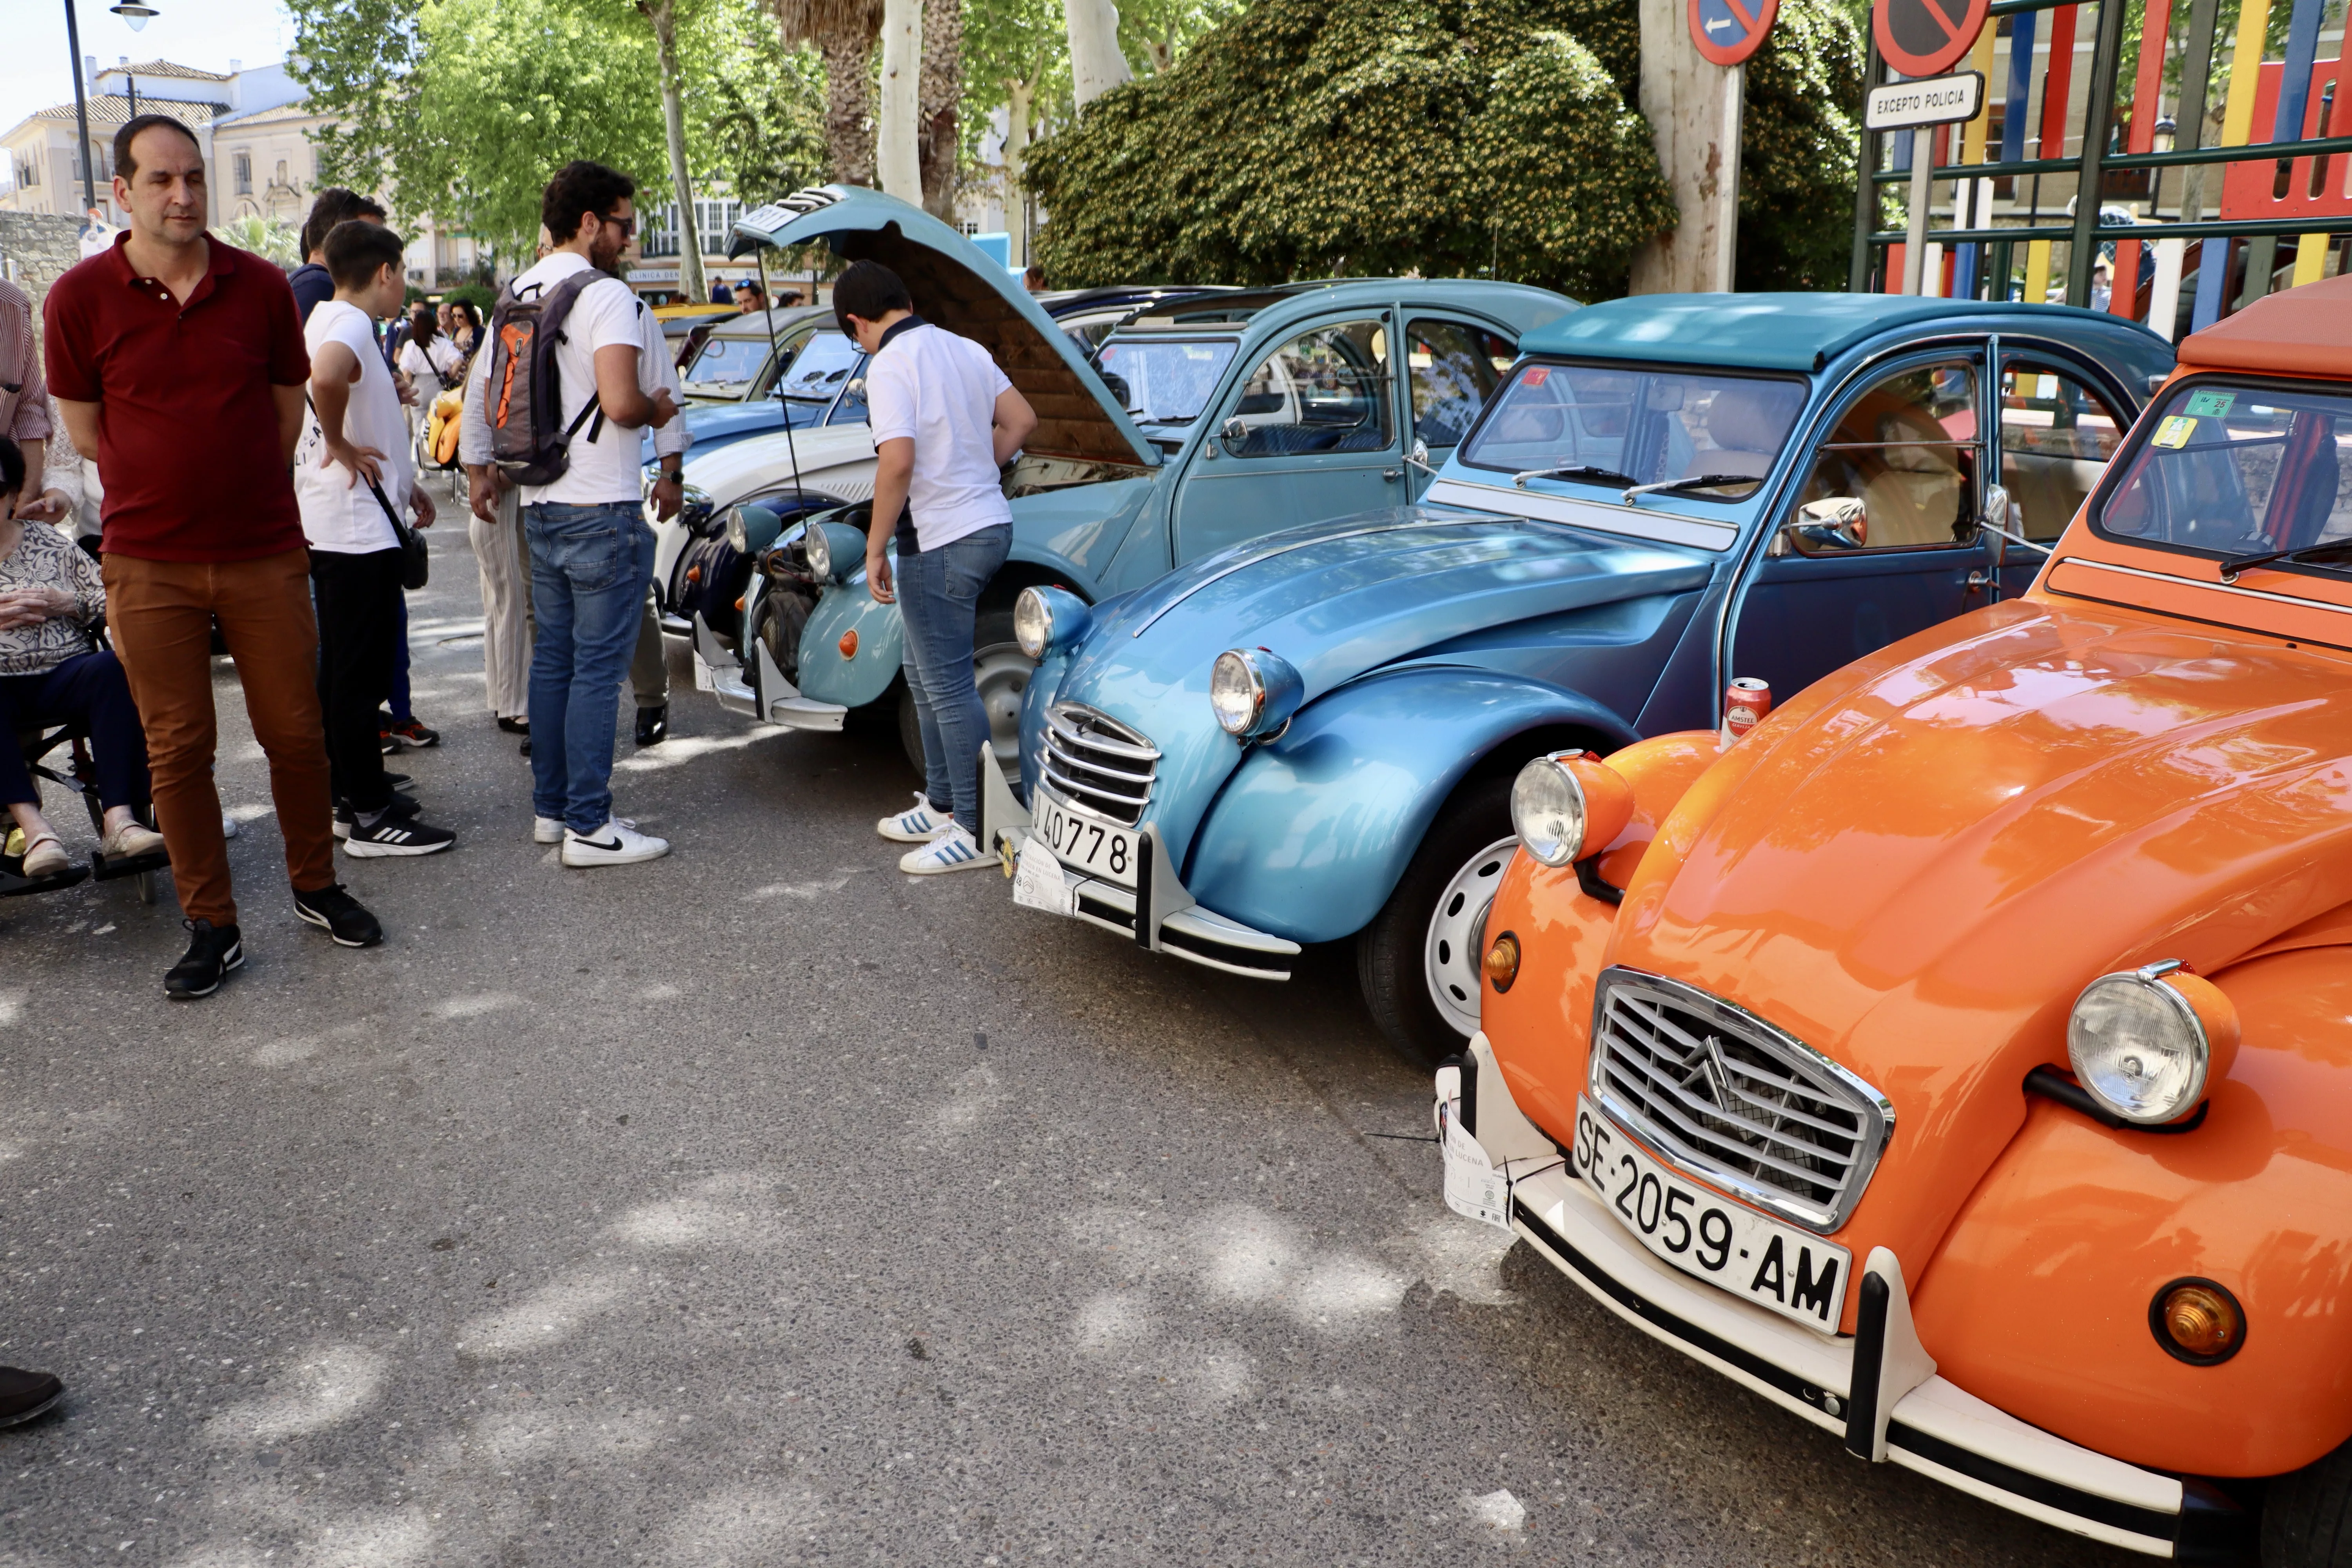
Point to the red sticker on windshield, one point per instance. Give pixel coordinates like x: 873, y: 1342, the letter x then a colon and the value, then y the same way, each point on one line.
x: 1537, y: 375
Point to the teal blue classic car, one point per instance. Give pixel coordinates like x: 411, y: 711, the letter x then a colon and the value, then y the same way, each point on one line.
x: 1312, y: 736
x: 1199, y: 422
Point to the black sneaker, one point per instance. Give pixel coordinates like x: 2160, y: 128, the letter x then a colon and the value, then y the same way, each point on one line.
x: 395, y: 835
x: 213, y: 952
x: 515, y: 726
x: 652, y: 725
x: 404, y: 808
x: 339, y: 915
x: 412, y: 735
x: 397, y: 781
x: 27, y: 1395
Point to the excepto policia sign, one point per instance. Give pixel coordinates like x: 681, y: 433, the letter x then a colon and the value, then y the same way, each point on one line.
x: 1907, y: 105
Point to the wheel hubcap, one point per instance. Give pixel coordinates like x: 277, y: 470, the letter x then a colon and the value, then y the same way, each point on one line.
x: 1457, y: 932
x: 1001, y: 672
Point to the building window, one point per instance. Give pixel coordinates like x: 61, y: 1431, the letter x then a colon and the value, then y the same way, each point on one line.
x: 714, y: 223
x: 29, y: 173
x: 281, y: 172
x: 657, y: 230
x: 244, y: 166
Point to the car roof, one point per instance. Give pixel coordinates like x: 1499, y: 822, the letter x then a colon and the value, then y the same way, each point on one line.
x: 755, y: 324
x: 1517, y: 303
x: 2281, y: 333
x: 1769, y: 332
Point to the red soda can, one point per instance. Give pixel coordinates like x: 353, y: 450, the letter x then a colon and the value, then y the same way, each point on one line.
x: 1745, y: 702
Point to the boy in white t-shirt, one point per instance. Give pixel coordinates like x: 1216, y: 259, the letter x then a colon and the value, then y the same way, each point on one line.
x: 945, y: 421
x: 351, y: 472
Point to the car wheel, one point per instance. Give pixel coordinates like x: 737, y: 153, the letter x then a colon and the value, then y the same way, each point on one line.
x: 2307, y: 1516
x: 1001, y: 673
x: 1418, y: 961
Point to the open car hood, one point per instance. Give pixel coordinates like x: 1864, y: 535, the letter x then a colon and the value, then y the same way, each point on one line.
x: 958, y: 286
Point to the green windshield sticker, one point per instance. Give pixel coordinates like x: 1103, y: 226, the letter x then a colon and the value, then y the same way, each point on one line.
x: 2210, y: 404
x: 2174, y: 433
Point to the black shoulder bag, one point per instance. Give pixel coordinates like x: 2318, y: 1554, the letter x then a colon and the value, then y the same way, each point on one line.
x: 415, y: 563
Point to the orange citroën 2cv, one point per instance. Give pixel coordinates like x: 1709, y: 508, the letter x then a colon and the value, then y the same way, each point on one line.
x: 1962, y: 1060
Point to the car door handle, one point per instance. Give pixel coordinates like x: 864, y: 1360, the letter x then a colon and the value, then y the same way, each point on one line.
x: 1391, y: 474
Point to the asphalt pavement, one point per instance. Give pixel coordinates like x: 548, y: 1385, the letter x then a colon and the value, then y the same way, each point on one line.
x: 763, y: 1205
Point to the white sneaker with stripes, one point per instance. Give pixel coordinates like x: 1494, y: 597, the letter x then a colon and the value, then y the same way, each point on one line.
x: 950, y: 851
x: 919, y: 826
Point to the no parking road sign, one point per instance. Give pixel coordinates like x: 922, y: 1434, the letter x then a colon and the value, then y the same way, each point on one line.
x: 1727, y: 31
x: 1926, y: 37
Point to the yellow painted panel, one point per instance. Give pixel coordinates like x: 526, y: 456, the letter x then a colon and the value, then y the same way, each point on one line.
x: 2310, y: 259
x: 2245, y: 74
x: 2037, y: 271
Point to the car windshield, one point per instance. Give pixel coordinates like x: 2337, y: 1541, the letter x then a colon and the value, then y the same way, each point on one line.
x: 817, y: 372
x: 726, y: 364
x: 1164, y: 381
x: 2236, y: 470
x: 1635, y: 424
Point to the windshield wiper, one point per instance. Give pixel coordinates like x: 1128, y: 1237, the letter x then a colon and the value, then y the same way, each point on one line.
x: 1141, y: 417
x: 1696, y: 482
x: 2301, y: 556
x: 1573, y: 471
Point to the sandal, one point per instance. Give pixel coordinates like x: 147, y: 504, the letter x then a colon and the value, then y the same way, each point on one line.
x: 45, y: 856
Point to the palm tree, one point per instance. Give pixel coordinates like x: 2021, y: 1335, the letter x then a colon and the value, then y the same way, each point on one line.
x: 843, y: 33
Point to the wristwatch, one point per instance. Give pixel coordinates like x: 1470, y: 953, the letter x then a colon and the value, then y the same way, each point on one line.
x: 673, y: 475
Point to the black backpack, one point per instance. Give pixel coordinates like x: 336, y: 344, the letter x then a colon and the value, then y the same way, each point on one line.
x: 523, y: 399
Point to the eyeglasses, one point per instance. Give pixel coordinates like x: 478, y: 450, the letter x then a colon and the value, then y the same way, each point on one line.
x: 628, y: 225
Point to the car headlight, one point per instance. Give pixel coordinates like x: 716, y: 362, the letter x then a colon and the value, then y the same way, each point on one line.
x: 1568, y: 803
x: 2145, y: 1042
x: 695, y: 512
x: 737, y: 540
x: 1049, y: 620
x: 1253, y: 692
x: 818, y: 549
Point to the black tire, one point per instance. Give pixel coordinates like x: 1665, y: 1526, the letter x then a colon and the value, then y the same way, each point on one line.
x: 1391, y: 951
x: 1001, y: 672
x: 2307, y: 1516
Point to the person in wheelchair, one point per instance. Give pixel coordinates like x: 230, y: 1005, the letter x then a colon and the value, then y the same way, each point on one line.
x: 51, y: 673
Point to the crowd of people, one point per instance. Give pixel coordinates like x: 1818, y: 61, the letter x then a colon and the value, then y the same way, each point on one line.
x: 252, y: 476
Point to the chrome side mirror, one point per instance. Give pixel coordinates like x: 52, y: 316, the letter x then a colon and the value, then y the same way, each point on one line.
x: 1838, y: 522
x: 1421, y: 455
x: 2003, y: 519
x: 1234, y: 432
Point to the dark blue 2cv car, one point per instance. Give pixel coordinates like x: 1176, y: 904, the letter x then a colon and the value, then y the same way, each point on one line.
x: 1312, y: 735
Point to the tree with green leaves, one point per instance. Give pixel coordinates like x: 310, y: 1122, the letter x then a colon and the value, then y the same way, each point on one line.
x: 1302, y: 138
x: 1015, y: 57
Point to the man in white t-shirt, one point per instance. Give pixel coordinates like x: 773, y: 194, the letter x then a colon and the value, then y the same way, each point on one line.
x: 945, y: 422
x: 352, y: 472
x: 591, y: 554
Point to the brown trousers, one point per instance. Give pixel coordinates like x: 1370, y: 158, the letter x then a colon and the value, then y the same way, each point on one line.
x: 161, y: 614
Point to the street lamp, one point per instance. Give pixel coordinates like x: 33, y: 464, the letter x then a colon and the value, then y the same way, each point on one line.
x: 133, y: 13
x: 2163, y: 134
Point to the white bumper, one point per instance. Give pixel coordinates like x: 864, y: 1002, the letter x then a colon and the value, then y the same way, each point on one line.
x: 1936, y: 1427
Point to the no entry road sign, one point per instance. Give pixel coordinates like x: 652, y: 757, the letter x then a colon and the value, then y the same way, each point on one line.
x: 1727, y: 31
x: 1926, y: 37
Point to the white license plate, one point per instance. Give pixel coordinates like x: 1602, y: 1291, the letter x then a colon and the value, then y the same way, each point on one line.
x: 1779, y: 1267
x: 704, y: 679
x: 1092, y: 848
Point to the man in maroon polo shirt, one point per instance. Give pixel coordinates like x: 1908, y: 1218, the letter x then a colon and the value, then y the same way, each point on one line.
x: 179, y: 361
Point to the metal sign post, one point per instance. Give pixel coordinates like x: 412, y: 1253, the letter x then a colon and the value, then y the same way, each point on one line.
x: 1919, y: 107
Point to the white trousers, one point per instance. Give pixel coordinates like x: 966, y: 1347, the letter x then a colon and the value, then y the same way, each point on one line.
x: 505, y: 563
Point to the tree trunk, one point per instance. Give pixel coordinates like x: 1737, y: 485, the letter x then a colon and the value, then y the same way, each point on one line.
x: 848, y: 104
x: 663, y: 17
x: 896, y: 159
x: 1096, y: 64
x: 942, y: 78
x: 1017, y: 97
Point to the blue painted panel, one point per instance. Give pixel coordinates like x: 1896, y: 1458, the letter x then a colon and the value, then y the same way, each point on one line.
x: 1308, y: 840
x: 881, y: 645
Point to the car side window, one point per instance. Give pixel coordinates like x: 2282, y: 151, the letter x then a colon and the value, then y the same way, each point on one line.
x: 1455, y: 368
x: 1899, y: 470
x: 850, y: 408
x: 1326, y: 390
x: 2056, y: 435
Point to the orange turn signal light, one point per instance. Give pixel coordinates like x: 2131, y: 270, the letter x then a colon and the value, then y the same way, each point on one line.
x: 1502, y: 964
x: 2198, y: 1322
x: 849, y: 645
x: 738, y: 602
x: 694, y: 574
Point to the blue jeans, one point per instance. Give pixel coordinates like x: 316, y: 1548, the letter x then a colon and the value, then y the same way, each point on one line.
x: 589, y: 568
x: 938, y: 595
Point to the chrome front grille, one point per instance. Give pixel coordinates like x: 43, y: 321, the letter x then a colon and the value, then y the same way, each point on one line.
x: 1098, y: 764
x: 1735, y: 1102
